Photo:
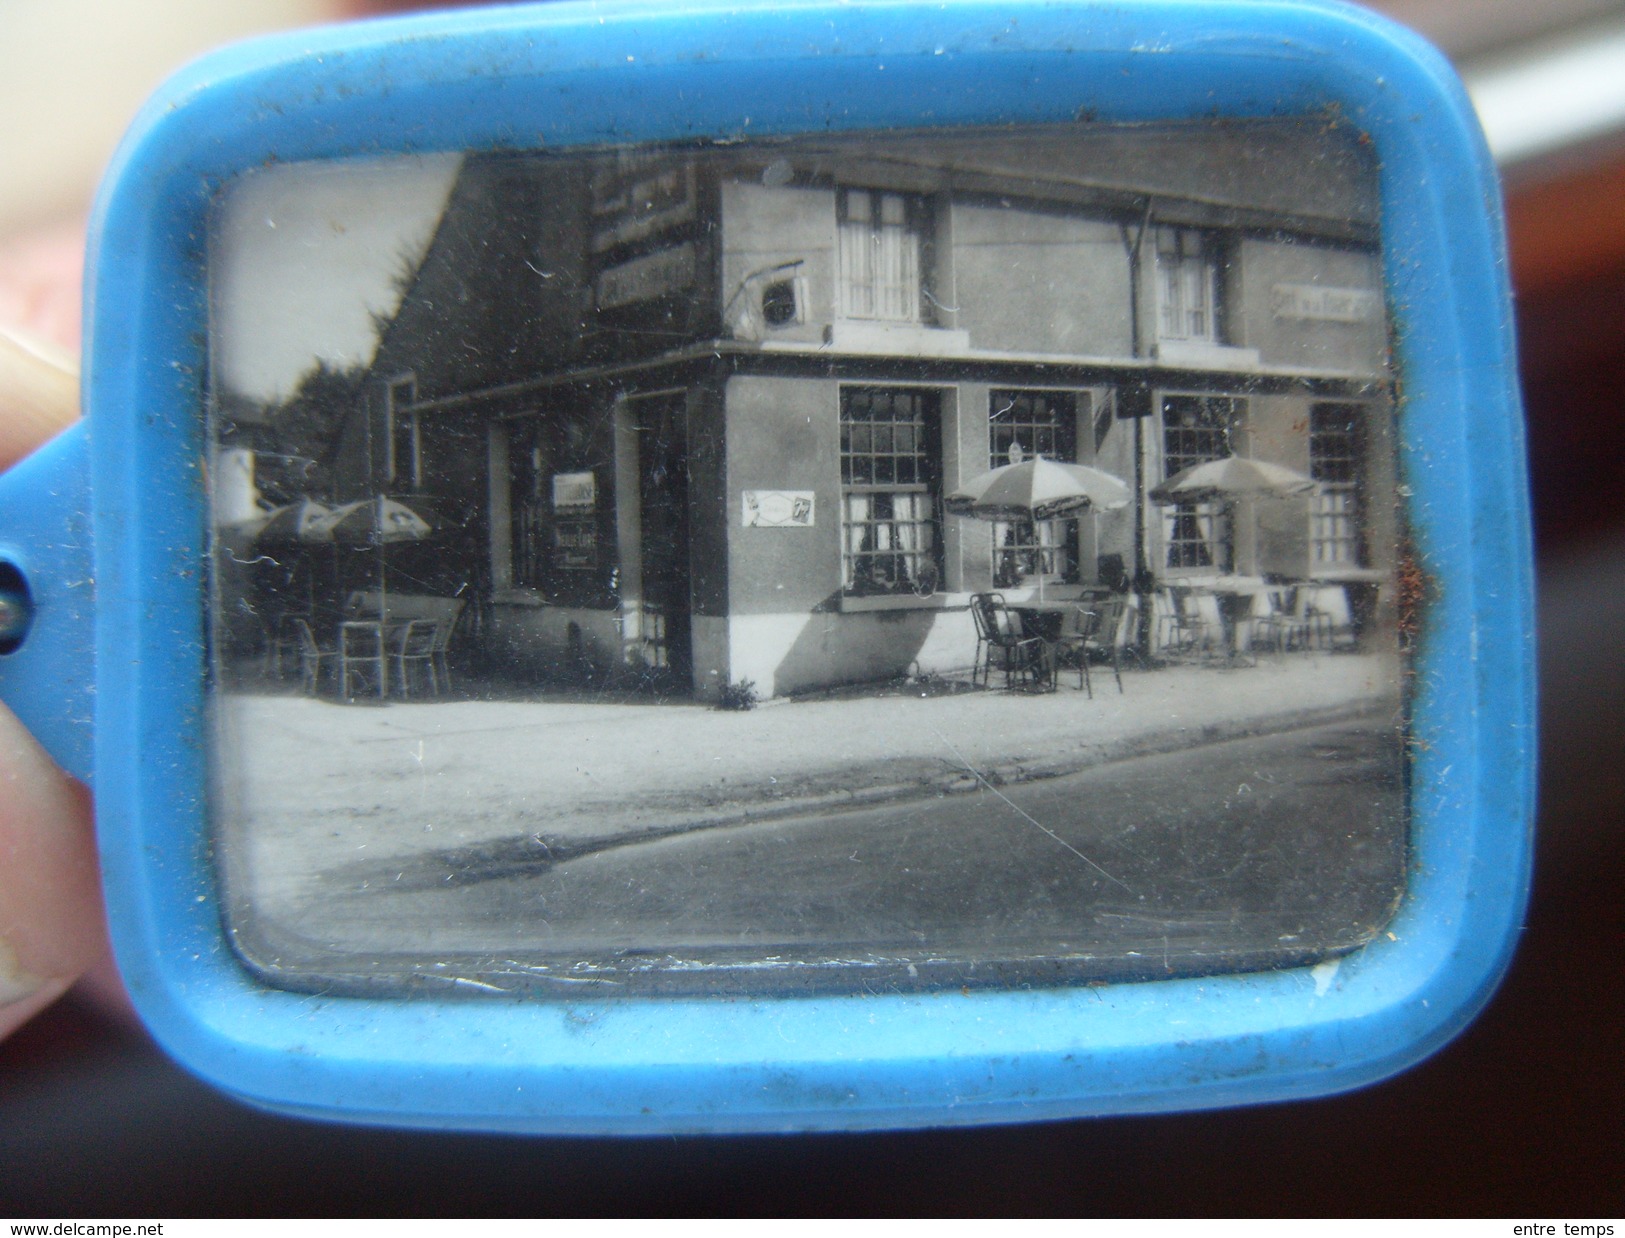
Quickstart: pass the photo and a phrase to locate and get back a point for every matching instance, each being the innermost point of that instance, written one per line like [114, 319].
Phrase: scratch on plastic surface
[1024, 814]
[1324, 974]
[423, 776]
[471, 983]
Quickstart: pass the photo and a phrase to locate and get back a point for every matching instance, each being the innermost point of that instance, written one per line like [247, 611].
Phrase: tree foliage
[306, 428]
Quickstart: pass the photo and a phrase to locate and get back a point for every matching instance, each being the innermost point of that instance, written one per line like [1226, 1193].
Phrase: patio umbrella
[298, 524]
[303, 520]
[1232, 478]
[378, 522]
[1037, 489]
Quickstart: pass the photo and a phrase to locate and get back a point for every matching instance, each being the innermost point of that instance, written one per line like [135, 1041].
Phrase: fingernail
[16, 981]
[41, 349]
[50, 922]
[39, 393]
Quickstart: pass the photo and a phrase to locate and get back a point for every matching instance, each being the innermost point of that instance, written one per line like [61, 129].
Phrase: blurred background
[1518, 1117]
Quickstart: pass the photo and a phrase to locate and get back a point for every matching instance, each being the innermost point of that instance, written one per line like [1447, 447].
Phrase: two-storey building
[697, 409]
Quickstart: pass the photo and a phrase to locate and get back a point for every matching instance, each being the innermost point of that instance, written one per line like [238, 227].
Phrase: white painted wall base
[713, 668]
[789, 653]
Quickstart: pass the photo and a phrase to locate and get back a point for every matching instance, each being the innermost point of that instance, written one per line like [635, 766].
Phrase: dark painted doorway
[662, 429]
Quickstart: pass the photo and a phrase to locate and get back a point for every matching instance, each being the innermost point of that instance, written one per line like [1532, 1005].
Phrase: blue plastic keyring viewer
[722, 568]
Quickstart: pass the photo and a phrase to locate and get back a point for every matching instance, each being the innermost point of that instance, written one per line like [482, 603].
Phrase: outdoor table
[1045, 619]
[1361, 586]
[384, 632]
[1234, 595]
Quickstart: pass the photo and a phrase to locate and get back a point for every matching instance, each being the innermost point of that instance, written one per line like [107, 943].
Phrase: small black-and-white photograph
[896, 560]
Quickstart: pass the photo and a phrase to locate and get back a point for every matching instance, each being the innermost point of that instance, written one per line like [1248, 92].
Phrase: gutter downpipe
[1142, 575]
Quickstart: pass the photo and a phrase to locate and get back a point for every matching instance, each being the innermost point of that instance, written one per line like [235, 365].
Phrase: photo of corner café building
[694, 413]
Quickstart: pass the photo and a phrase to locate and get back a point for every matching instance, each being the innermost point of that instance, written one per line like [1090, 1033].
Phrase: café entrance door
[661, 423]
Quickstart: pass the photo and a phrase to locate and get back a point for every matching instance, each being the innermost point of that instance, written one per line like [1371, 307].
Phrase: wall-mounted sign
[575, 527]
[1317, 303]
[575, 492]
[575, 544]
[653, 275]
[640, 197]
[778, 509]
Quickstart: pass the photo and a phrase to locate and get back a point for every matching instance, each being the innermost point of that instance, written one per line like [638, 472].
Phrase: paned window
[1337, 462]
[1196, 429]
[1021, 425]
[890, 490]
[880, 255]
[1187, 285]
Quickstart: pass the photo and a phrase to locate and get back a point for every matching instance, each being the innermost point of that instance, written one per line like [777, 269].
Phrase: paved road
[1241, 854]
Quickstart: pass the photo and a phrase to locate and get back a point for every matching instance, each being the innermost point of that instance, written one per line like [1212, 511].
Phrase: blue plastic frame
[571, 74]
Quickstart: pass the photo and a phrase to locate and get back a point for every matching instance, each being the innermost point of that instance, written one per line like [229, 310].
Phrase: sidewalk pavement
[309, 785]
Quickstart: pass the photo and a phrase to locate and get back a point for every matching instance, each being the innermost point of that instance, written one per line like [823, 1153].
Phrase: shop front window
[562, 511]
[1196, 429]
[1337, 462]
[891, 491]
[1021, 425]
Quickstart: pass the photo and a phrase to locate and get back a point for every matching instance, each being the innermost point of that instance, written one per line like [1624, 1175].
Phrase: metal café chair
[312, 656]
[1329, 612]
[1277, 627]
[1190, 622]
[444, 630]
[1300, 622]
[1099, 629]
[981, 605]
[999, 630]
[1078, 632]
[414, 656]
[282, 642]
[363, 657]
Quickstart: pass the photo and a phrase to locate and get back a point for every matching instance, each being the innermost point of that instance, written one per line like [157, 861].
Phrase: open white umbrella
[1232, 478]
[378, 522]
[303, 520]
[281, 535]
[1037, 489]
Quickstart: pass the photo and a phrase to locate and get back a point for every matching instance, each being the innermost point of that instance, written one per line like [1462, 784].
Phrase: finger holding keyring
[50, 908]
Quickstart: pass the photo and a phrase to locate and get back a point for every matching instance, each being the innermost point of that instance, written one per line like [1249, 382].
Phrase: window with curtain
[1021, 425]
[1187, 285]
[890, 491]
[1196, 429]
[1337, 462]
[880, 255]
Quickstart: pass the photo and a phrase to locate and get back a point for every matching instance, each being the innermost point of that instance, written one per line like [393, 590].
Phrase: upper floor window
[1337, 462]
[891, 489]
[405, 463]
[1187, 285]
[1021, 425]
[881, 243]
